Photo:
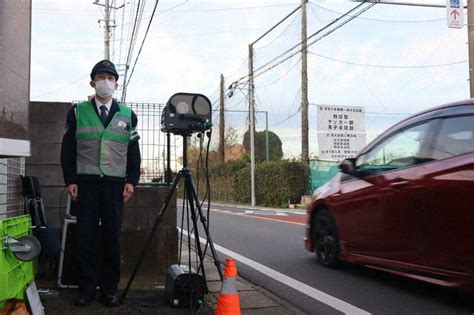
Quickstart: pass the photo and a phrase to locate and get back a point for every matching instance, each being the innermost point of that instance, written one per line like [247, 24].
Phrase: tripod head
[186, 137]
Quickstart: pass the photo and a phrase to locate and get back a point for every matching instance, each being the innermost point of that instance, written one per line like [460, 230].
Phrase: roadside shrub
[277, 183]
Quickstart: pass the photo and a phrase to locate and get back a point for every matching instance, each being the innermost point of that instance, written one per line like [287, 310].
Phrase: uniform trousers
[99, 201]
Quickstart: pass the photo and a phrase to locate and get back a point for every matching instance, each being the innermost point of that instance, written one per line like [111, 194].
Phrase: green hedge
[277, 183]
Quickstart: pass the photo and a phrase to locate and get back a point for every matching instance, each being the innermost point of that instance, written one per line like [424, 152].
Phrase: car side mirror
[347, 166]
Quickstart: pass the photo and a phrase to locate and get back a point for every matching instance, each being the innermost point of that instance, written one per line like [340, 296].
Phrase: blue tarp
[322, 172]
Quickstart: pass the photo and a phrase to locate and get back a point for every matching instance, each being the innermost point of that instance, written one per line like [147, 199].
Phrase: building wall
[15, 41]
[47, 125]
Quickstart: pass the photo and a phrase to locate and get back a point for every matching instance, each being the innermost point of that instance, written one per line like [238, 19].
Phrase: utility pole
[470, 43]
[251, 127]
[267, 148]
[107, 31]
[304, 85]
[252, 106]
[222, 123]
[106, 21]
[107, 27]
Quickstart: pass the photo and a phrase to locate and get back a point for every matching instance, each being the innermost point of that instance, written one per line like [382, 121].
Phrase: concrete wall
[15, 40]
[47, 122]
[139, 217]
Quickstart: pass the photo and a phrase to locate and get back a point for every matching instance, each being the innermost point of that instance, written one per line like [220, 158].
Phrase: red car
[405, 204]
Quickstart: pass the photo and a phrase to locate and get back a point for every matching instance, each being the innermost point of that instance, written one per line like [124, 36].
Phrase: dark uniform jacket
[68, 152]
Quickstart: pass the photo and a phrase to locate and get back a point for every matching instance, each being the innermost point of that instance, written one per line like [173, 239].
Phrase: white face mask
[104, 88]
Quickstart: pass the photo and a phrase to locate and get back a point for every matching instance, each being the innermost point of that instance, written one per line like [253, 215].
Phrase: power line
[124, 92]
[237, 8]
[351, 17]
[291, 115]
[279, 35]
[410, 4]
[62, 87]
[168, 36]
[389, 66]
[381, 20]
[328, 26]
[121, 35]
[287, 118]
[143, 41]
[172, 8]
[187, 10]
[130, 49]
[284, 75]
[369, 89]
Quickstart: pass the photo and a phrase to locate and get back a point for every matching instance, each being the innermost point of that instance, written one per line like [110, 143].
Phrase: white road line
[216, 206]
[265, 213]
[320, 296]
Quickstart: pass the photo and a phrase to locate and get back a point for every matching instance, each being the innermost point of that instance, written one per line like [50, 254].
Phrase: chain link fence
[154, 143]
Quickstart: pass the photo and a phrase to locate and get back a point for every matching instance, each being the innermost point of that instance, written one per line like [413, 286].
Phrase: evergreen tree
[274, 143]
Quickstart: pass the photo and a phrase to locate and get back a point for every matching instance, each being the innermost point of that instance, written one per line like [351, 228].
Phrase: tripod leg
[152, 233]
[191, 201]
[193, 195]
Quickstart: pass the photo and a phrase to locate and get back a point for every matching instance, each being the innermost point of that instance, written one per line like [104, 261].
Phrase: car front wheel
[325, 239]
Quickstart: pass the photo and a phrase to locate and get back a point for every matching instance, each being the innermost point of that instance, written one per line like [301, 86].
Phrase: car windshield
[400, 150]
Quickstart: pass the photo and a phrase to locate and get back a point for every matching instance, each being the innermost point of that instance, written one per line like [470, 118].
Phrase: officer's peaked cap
[104, 66]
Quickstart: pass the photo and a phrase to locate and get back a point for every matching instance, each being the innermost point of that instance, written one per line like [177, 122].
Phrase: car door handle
[399, 184]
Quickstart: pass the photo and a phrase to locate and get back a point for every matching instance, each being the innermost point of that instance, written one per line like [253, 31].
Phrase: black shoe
[110, 300]
[83, 301]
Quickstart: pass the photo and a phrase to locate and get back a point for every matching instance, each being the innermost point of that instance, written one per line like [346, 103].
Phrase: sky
[392, 60]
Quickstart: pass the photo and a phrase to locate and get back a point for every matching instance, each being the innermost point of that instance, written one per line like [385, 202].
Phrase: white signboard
[455, 13]
[341, 131]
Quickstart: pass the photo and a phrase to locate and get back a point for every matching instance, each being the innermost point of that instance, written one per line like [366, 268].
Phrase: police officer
[100, 158]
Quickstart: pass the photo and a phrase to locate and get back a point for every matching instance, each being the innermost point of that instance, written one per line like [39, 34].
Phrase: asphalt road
[268, 246]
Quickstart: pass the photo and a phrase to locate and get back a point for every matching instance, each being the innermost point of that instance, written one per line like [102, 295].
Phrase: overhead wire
[238, 8]
[143, 41]
[276, 61]
[357, 10]
[389, 66]
[62, 87]
[334, 22]
[124, 94]
[363, 82]
[130, 49]
[279, 35]
[283, 76]
[121, 35]
[293, 114]
[72, 11]
[287, 118]
[380, 20]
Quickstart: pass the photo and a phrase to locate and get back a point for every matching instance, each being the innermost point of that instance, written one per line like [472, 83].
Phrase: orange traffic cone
[228, 302]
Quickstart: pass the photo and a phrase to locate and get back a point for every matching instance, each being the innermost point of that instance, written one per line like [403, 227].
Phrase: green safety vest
[102, 151]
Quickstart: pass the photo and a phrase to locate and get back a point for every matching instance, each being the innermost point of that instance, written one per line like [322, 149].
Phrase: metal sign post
[455, 13]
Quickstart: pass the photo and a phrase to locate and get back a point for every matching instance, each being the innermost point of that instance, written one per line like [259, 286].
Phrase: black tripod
[196, 211]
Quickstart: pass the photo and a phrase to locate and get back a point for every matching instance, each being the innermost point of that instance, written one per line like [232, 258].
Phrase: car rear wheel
[325, 239]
